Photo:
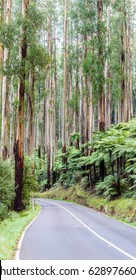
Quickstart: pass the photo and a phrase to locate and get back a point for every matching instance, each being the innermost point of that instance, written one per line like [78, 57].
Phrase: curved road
[66, 231]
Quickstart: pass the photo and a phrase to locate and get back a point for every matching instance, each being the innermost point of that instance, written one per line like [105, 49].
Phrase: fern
[115, 148]
[74, 137]
[107, 188]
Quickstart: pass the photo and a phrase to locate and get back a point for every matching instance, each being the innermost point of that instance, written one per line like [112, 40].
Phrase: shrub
[7, 190]
[29, 182]
[40, 172]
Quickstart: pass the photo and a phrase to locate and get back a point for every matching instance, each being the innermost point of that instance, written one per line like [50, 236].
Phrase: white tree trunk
[5, 92]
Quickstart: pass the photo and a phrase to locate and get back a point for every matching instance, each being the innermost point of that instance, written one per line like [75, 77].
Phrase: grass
[11, 230]
[121, 208]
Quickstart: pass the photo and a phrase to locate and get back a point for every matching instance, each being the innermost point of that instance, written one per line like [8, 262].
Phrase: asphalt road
[66, 231]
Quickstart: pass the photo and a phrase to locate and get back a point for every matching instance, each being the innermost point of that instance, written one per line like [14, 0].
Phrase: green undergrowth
[121, 208]
[11, 230]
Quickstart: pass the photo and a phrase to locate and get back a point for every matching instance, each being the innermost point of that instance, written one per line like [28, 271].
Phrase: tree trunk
[91, 115]
[118, 176]
[108, 86]
[101, 67]
[48, 110]
[70, 110]
[38, 120]
[64, 101]
[129, 63]
[1, 58]
[123, 64]
[19, 139]
[77, 95]
[30, 128]
[82, 113]
[55, 94]
[5, 93]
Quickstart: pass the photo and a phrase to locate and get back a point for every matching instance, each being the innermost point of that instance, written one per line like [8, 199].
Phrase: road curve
[67, 231]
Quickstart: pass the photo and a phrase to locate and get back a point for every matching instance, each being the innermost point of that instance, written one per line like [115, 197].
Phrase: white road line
[96, 234]
[108, 216]
[17, 256]
[99, 213]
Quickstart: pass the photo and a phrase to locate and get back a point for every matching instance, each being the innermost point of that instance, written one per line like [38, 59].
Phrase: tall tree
[5, 91]
[64, 103]
[107, 88]
[19, 137]
[101, 66]
[1, 52]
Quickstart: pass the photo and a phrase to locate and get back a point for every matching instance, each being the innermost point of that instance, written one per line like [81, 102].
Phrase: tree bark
[82, 112]
[64, 101]
[55, 93]
[70, 109]
[101, 67]
[108, 85]
[129, 63]
[5, 93]
[124, 63]
[91, 115]
[77, 94]
[31, 125]
[19, 139]
[48, 110]
[1, 57]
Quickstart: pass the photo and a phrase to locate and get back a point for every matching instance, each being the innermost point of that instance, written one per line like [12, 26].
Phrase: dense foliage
[110, 168]
[7, 191]
[34, 179]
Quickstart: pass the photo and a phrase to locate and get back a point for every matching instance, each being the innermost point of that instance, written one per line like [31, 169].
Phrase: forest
[67, 98]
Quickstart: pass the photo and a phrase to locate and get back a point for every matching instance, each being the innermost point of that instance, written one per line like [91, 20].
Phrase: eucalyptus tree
[1, 22]
[37, 61]
[101, 107]
[64, 104]
[19, 137]
[120, 64]
[1, 55]
[33, 61]
[5, 87]
[82, 15]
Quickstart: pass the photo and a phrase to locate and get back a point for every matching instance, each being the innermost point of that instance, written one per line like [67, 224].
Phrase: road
[67, 231]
